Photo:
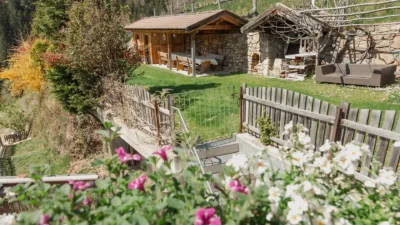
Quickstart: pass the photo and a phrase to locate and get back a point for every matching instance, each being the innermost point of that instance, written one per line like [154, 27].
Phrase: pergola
[167, 33]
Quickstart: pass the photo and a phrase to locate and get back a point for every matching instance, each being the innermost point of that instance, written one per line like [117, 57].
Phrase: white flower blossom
[384, 223]
[298, 204]
[261, 167]
[274, 194]
[386, 177]
[326, 147]
[322, 221]
[7, 219]
[298, 158]
[288, 128]
[381, 190]
[342, 161]
[326, 167]
[350, 170]
[370, 183]
[353, 152]
[342, 221]
[307, 186]
[291, 190]
[316, 190]
[238, 162]
[269, 216]
[293, 217]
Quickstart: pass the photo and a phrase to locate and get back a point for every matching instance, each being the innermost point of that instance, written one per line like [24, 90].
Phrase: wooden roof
[188, 22]
[280, 10]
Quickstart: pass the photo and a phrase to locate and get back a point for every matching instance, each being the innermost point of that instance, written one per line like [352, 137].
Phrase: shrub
[307, 188]
[11, 116]
[267, 130]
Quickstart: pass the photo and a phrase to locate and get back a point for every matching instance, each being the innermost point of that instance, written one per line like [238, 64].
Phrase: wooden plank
[218, 151]
[272, 99]
[314, 121]
[322, 126]
[376, 131]
[394, 158]
[214, 168]
[350, 131]
[289, 115]
[264, 108]
[259, 106]
[268, 109]
[388, 124]
[254, 108]
[283, 113]
[362, 119]
[247, 103]
[309, 105]
[193, 50]
[296, 102]
[301, 112]
[278, 110]
[374, 121]
[345, 115]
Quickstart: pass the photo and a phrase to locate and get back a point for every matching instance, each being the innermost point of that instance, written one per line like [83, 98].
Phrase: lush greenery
[12, 116]
[15, 17]
[359, 97]
[50, 16]
[267, 130]
[307, 189]
[34, 153]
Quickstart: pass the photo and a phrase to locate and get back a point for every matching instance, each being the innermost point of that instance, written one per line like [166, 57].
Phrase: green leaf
[65, 189]
[140, 220]
[103, 184]
[97, 163]
[116, 201]
[176, 203]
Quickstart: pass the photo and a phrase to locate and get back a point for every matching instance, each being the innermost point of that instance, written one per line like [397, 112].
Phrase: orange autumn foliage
[23, 72]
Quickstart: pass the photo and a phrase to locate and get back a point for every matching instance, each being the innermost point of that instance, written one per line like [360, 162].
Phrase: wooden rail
[378, 129]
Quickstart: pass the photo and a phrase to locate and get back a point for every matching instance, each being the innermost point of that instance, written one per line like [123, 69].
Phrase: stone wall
[381, 51]
[265, 54]
[232, 46]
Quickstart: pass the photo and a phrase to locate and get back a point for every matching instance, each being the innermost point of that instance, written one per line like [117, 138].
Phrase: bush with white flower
[313, 188]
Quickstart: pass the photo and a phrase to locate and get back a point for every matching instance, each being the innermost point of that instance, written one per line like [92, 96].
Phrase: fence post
[394, 157]
[241, 105]
[344, 115]
[157, 118]
[335, 135]
[171, 119]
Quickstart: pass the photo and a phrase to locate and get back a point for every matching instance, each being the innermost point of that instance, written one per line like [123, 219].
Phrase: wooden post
[169, 41]
[241, 107]
[336, 125]
[345, 113]
[157, 119]
[151, 49]
[192, 6]
[219, 4]
[193, 44]
[394, 158]
[171, 119]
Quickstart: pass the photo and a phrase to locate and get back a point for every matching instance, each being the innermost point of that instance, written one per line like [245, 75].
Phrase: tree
[96, 52]
[49, 18]
[23, 72]
[15, 24]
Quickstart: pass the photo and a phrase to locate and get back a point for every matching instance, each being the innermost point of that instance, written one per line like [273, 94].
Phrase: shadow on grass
[174, 89]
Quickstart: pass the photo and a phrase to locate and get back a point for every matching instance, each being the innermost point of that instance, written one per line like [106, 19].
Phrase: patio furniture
[356, 74]
[163, 56]
[182, 62]
[220, 60]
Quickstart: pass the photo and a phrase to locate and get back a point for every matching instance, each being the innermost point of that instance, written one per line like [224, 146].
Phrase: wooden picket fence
[155, 114]
[12, 138]
[324, 121]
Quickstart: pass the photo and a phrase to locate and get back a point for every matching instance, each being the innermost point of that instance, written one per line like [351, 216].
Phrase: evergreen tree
[49, 18]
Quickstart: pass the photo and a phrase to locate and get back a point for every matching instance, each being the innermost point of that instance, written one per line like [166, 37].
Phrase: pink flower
[163, 152]
[44, 220]
[138, 183]
[70, 196]
[87, 201]
[125, 157]
[206, 217]
[236, 186]
[79, 185]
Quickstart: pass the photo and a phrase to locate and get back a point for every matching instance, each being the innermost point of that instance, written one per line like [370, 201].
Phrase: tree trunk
[219, 4]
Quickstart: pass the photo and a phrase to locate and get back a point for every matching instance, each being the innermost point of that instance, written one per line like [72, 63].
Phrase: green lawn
[33, 153]
[213, 114]
[157, 79]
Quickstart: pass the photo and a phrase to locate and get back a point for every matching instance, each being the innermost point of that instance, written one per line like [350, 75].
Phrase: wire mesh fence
[212, 114]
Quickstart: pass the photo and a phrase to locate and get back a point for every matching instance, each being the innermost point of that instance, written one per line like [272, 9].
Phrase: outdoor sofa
[356, 74]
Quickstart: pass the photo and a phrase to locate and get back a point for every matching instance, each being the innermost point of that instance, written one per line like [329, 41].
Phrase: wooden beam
[193, 48]
[169, 45]
[151, 48]
[309, 114]
[219, 27]
[160, 31]
[371, 130]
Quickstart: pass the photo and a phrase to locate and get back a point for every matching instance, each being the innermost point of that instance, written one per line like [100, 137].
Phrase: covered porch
[195, 43]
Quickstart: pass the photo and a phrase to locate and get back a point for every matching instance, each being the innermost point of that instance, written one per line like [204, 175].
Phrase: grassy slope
[157, 79]
[240, 7]
[33, 153]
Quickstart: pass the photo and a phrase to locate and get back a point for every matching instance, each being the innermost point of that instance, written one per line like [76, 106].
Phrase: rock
[396, 42]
